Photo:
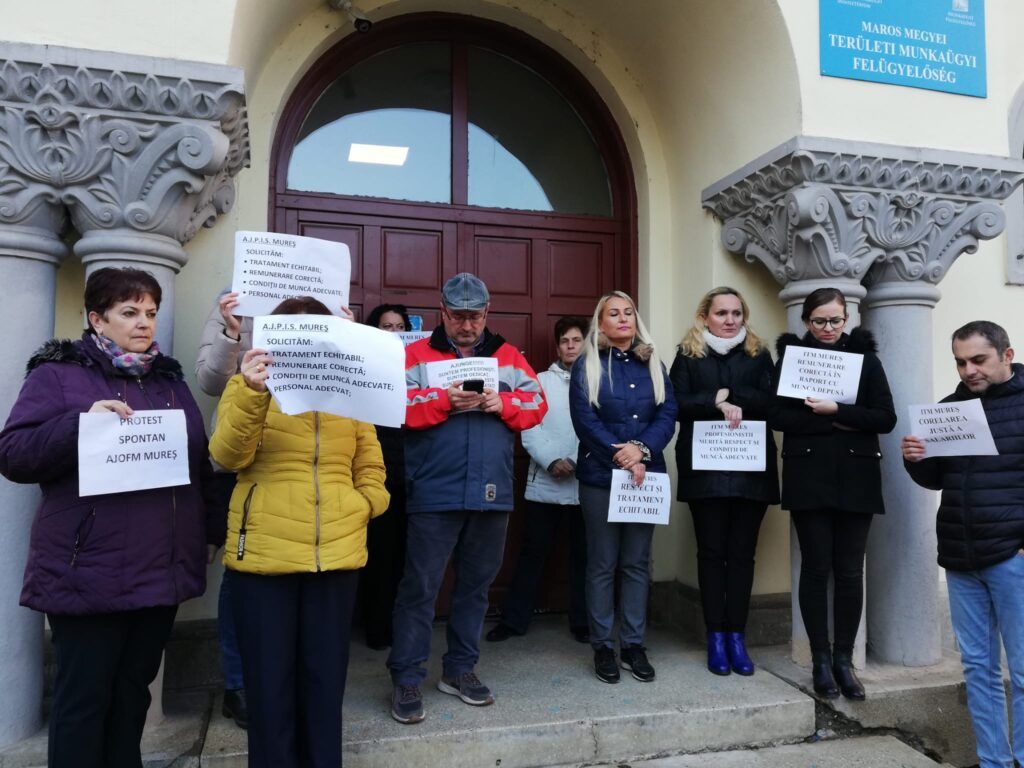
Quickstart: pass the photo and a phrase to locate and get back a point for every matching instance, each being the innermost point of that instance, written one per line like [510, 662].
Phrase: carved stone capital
[124, 143]
[818, 209]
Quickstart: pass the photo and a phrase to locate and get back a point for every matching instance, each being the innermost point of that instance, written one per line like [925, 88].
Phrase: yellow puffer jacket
[307, 485]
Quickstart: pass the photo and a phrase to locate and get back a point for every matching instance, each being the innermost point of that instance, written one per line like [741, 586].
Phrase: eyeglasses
[462, 317]
[821, 322]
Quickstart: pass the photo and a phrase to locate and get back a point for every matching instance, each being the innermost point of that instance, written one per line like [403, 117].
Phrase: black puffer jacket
[696, 381]
[981, 514]
[834, 462]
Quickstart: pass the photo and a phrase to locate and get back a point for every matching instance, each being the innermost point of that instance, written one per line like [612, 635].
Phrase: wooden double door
[537, 268]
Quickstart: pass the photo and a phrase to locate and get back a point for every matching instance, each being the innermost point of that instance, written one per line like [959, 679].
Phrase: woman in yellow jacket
[307, 488]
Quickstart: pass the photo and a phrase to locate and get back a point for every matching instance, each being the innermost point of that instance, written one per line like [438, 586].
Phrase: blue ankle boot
[718, 659]
[737, 650]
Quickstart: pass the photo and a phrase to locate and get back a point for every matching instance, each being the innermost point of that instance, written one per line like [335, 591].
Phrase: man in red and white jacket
[458, 456]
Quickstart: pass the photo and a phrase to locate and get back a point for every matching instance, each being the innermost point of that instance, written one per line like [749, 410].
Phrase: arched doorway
[437, 144]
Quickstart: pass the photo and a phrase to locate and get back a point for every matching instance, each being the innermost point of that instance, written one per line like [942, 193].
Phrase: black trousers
[105, 663]
[833, 543]
[380, 577]
[727, 531]
[543, 523]
[293, 632]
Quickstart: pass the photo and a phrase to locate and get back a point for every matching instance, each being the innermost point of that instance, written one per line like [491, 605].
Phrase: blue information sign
[933, 44]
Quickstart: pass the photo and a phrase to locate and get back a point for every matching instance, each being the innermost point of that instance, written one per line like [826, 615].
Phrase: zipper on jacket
[145, 394]
[316, 486]
[245, 519]
[966, 507]
[78, 535]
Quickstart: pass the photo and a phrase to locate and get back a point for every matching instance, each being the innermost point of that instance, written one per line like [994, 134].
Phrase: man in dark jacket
[981, 534]
[458, 458]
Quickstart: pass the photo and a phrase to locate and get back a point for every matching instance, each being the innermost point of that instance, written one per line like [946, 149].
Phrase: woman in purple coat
[108, 570]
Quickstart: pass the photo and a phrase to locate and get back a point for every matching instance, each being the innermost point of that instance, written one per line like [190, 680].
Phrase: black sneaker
[235, 707]
[605, 667]
[467, 687]
[407, 704]
[634, 658]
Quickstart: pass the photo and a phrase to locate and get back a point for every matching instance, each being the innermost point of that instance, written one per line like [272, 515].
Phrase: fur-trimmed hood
[641, 351]
[858, 340]
[78, 353]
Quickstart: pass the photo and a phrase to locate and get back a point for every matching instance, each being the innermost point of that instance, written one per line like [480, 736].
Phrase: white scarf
[724, 346]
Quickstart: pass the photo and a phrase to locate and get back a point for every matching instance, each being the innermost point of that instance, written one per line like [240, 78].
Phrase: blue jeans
[231, 660]
[615, 547]
[985, 605]
[475, 543]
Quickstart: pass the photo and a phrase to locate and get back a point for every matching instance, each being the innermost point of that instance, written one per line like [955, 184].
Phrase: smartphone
[473, 385]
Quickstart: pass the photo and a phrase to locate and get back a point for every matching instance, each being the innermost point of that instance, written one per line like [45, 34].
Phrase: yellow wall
[698, 89]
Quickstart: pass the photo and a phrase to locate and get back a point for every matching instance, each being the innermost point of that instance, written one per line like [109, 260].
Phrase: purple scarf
[130, 363]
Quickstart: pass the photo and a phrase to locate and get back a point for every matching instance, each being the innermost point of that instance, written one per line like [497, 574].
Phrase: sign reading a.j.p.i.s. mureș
[934, 44]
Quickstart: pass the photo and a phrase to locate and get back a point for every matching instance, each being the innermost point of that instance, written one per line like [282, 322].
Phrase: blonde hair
[596, 341]
[693, 344]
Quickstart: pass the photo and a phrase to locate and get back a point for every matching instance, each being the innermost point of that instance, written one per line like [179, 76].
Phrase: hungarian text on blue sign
[933, 44]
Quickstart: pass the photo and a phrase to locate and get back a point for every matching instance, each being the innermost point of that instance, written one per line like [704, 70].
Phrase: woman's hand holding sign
[822, 407]
[112, 406]
[254, 369]
[232, 325]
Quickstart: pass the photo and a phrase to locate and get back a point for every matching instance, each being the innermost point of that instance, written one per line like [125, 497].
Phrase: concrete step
[177, 742]
[550, 709]
[928, 704]
[863, 752]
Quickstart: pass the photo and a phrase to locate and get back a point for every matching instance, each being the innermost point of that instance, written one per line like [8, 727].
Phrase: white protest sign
[822, 373]
[270, 268]
[717, 447]
[443, 373]
[953, 429]
[408, 337]
[149, 449]
[647, 503]
[325, 363]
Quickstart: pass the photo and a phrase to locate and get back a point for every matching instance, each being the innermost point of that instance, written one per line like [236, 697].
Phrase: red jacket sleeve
[425, 406]
[524, 405]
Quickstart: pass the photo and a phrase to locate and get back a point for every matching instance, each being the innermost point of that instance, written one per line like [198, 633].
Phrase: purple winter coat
[112, 552]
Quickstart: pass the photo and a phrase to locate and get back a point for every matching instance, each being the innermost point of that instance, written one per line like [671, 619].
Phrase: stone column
[30, 252]
[820, 212]
[139, 152]
[924, 234]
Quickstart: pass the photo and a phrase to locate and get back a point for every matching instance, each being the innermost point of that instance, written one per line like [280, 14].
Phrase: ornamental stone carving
[127, 144]
[813, 209]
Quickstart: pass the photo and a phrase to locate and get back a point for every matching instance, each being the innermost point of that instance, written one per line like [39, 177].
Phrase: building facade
[694, 144]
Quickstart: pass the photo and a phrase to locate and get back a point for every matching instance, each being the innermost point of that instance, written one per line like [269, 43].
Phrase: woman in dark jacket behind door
[722, 371]
[832, 485]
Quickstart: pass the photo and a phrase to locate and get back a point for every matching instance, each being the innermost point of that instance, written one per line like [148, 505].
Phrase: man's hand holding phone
[463, 399]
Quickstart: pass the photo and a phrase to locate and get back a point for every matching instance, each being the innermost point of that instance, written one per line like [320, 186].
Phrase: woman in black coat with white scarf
[723, 372]
[832, 485]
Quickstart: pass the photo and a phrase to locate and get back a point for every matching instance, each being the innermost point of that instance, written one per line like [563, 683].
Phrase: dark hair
[819, 298]
[301, 305]
[110, 285]
[566, 322]
[382, 309]
[994, 334]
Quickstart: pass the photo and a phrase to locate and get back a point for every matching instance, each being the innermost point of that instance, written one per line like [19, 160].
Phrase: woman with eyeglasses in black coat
[832, 486]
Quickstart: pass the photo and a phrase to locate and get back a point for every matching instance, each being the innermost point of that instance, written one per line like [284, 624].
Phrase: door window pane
[528, 148]
[382, 129]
